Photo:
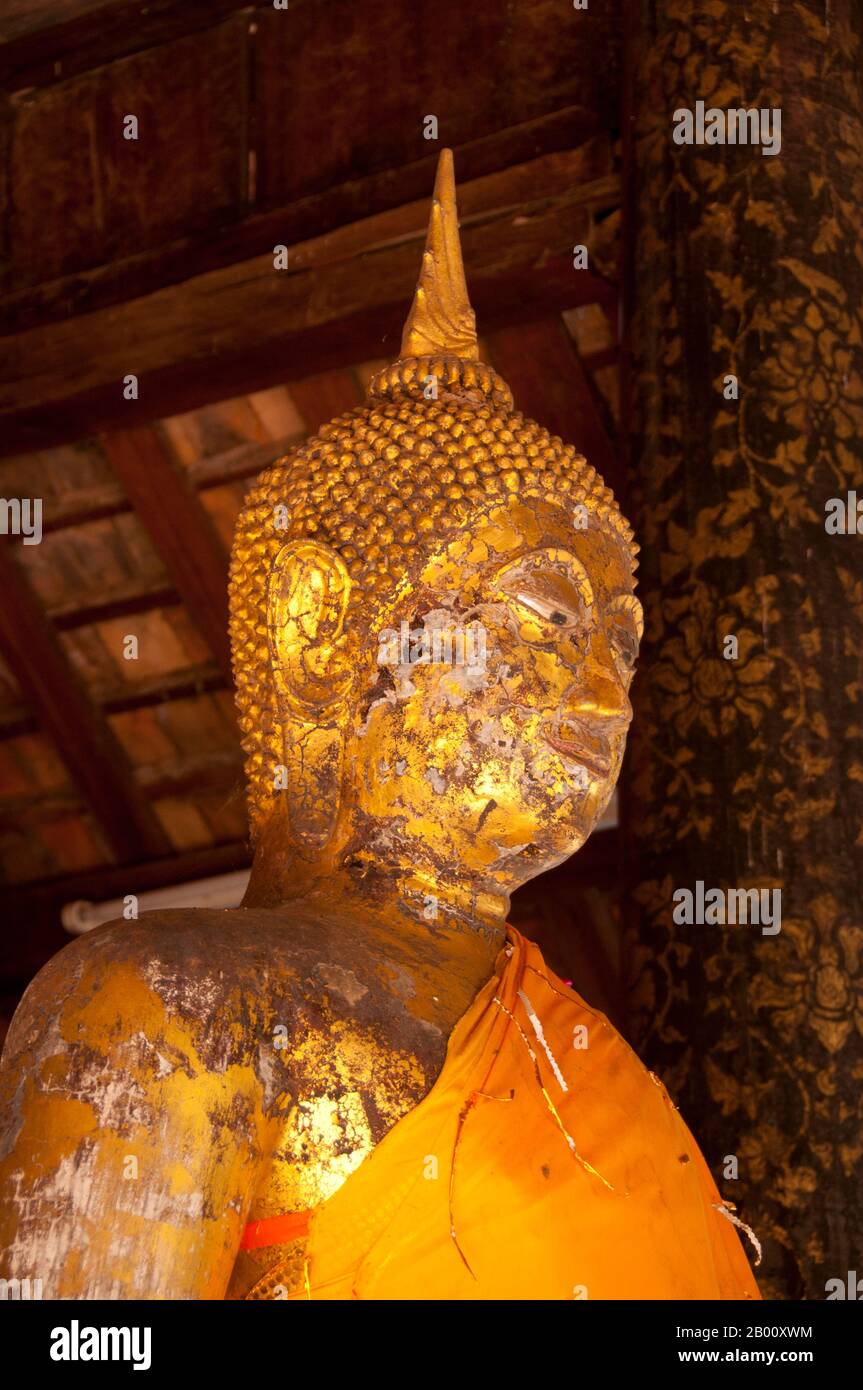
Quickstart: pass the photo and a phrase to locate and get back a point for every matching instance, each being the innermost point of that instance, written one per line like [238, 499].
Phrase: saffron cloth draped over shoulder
[535, 1168]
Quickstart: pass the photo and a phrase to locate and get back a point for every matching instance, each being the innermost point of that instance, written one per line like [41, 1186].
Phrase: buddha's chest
[341, 1089]
[346, 1091]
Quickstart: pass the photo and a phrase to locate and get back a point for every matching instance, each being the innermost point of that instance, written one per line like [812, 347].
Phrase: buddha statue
[362, 1083]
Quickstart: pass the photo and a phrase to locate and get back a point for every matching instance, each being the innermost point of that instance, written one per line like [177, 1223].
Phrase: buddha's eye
[552, 611]
[548, 599]
[625, 644]
[624, 631]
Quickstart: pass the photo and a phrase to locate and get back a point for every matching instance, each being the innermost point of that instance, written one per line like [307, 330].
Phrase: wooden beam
[195, 774]
[243, 461]
[184, 776]
[319, 398]
[22, 18]
[133, 600]
[343, 300]
[117, 697]
[41, 40]
[94, 757]
[157, 690]
[143, 270]
[180, 528]
[541, 364]
[325, 141]
[78, 194]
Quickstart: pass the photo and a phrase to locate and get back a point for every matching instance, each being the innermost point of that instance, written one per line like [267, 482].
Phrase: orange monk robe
[533, 1169]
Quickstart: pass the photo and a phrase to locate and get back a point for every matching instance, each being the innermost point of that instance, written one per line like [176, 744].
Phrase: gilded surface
[749, 771]
[168, 1081]
[441, 319]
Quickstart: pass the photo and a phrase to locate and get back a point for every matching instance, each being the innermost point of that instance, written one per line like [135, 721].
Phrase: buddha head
[433, 621]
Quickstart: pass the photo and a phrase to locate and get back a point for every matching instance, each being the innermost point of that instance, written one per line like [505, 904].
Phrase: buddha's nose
[598, 696]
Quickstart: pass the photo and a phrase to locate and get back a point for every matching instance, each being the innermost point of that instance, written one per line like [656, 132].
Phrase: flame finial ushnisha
[441, 319]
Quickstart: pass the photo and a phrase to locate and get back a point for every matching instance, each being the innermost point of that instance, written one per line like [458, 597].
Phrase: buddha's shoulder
[229, 972]
[198, 952]
[197, 985]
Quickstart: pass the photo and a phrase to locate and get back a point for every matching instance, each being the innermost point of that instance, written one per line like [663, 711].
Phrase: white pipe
[224, 890]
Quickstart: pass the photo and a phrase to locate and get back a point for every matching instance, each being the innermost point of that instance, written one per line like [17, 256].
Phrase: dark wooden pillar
[746, 769]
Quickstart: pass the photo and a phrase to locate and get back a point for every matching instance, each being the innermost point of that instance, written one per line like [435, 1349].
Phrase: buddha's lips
[595, 763]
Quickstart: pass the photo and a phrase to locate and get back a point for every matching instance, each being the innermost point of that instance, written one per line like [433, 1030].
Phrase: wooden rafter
[138, 230]
[38, 36]
[96, 761]
[180, 529]
[118, 697]
[567, 131]
[242, 461]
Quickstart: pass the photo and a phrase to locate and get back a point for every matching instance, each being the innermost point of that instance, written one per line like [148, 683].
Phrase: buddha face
[494, 727]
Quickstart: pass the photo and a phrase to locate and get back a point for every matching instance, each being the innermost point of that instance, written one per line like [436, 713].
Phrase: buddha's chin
[581, 812]
[559, 829]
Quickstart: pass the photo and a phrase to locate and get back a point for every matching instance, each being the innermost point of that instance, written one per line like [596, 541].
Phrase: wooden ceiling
[154, 257]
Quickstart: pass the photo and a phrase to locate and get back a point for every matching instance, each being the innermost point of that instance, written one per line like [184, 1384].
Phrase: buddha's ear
[307, 600]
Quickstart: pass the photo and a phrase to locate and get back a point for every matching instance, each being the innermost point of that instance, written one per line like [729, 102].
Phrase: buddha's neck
[449, 927]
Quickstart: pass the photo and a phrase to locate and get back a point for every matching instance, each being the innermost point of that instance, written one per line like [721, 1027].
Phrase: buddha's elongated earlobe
[308, 595]
[307, 602]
